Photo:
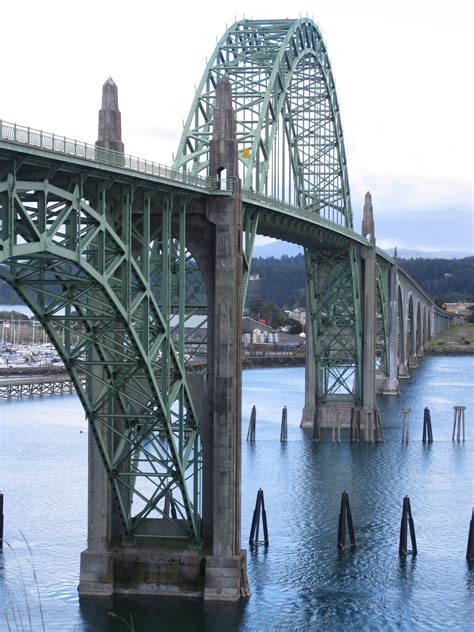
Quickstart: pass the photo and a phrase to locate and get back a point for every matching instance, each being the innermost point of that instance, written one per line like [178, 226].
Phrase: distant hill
[282, 280]
[279, 248]
[405, 253]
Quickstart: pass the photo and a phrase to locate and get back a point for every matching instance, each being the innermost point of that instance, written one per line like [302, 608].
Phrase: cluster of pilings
[407, 526]
[252, 429]
[458, 425]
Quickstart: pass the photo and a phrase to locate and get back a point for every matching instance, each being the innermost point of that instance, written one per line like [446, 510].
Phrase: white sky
[403, 73]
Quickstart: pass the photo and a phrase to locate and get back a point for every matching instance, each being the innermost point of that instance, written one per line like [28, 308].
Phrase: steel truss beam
[289, 129]
[382, 333]
[335, 311]
[82, 266]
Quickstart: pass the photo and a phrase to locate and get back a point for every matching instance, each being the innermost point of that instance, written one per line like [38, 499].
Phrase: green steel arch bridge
[123, 261]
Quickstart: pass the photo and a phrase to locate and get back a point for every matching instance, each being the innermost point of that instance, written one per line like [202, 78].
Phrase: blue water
[301, 581]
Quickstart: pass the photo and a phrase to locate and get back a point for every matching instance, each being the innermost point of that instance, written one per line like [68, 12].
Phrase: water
[301, 582]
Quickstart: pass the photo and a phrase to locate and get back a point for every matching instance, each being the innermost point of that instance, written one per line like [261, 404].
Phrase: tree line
[279, 284]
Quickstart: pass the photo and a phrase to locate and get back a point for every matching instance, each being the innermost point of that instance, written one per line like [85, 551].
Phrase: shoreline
[262, 362]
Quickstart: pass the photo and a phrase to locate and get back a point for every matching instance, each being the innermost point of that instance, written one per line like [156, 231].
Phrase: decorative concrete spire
[223, 146]
[368, 218]
[110, 123]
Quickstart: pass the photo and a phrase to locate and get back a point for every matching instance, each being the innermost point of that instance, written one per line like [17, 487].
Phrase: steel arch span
[289, 131]
[78, 265]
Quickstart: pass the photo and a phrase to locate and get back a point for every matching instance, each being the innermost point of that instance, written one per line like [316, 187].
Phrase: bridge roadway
[116, 255]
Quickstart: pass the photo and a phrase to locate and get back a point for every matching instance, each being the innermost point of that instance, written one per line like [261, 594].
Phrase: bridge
[119, 257]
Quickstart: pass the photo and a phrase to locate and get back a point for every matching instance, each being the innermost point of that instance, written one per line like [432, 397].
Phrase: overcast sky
[403, 75]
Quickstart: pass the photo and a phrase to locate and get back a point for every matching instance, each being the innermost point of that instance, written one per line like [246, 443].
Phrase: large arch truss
[82, 263]
[289, 130]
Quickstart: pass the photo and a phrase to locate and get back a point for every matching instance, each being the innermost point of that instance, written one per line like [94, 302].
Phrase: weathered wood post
[470, 540]
[427, 429]
[406, 424]
[458, 421]
[284, 425]
[252, 425]
[259, 510]
[1, 519]
[345, 515]
[407, 519]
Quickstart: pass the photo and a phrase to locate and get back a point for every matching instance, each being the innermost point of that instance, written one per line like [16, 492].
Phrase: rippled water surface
[301, 581]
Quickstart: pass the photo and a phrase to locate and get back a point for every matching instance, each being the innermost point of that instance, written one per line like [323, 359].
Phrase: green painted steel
[383, 316]
[334, 306]
[81, 260]
[289, 130]
[95, 242]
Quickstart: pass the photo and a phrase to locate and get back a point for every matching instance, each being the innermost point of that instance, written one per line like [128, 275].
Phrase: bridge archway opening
[402, 338]
[411, 329]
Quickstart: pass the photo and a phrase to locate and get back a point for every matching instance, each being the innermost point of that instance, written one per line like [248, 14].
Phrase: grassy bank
[457, 340]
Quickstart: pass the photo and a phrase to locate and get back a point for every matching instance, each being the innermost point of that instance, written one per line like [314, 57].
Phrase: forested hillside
[450, 280]
[282, 281]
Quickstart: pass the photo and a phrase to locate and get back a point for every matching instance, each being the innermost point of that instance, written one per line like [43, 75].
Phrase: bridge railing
[14, 133]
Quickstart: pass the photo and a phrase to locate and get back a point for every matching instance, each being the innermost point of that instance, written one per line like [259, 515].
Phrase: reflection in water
[301, 581]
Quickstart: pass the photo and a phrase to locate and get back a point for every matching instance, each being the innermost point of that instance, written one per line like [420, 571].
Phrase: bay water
[301, 581]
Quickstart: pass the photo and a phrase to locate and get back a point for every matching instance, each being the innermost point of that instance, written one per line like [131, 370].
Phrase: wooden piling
[459, 422]
[407, 523]
[406, 424]
[252, 425]
[427, 428]
[470, 540]
[259, 511]
[1, 519]
[316, 428]
[345, 516]
[284, 425]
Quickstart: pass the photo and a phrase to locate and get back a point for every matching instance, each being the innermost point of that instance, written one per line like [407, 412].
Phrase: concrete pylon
[368, 418]
[226, 568]
[391, 385]
[110, 122]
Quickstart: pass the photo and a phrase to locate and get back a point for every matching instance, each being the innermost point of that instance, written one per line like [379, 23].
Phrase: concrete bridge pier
[390, 385]
[216, 567]
[369, 424]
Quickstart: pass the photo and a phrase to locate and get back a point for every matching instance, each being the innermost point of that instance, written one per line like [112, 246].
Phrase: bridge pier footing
[403, 372]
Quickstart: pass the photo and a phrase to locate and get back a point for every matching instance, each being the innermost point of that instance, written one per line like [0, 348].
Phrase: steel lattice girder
[73, 265]
[334, 309]
[382, 315]
[289, 129]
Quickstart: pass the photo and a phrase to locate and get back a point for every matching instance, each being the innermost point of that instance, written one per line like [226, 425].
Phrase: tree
[294, 326]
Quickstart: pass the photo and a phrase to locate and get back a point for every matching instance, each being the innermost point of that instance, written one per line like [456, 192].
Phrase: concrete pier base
[96, 575]
[413, 362]
[390, 386]
[146, 569]
[334, 421]
[307, 417]
[403, 372]
[226, 578]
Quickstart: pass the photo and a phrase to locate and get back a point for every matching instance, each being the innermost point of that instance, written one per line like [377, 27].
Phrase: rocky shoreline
[446, 351]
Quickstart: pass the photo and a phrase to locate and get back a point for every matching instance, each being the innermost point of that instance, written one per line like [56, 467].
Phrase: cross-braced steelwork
[83, 266]
[288, 122]
[127, 264]
[291, 147]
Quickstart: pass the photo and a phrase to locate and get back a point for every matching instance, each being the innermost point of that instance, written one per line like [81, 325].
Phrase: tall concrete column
[368, 412]
[226, 577]
[110, 119]
[96, 568]
[307, 417]
[391, 386]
